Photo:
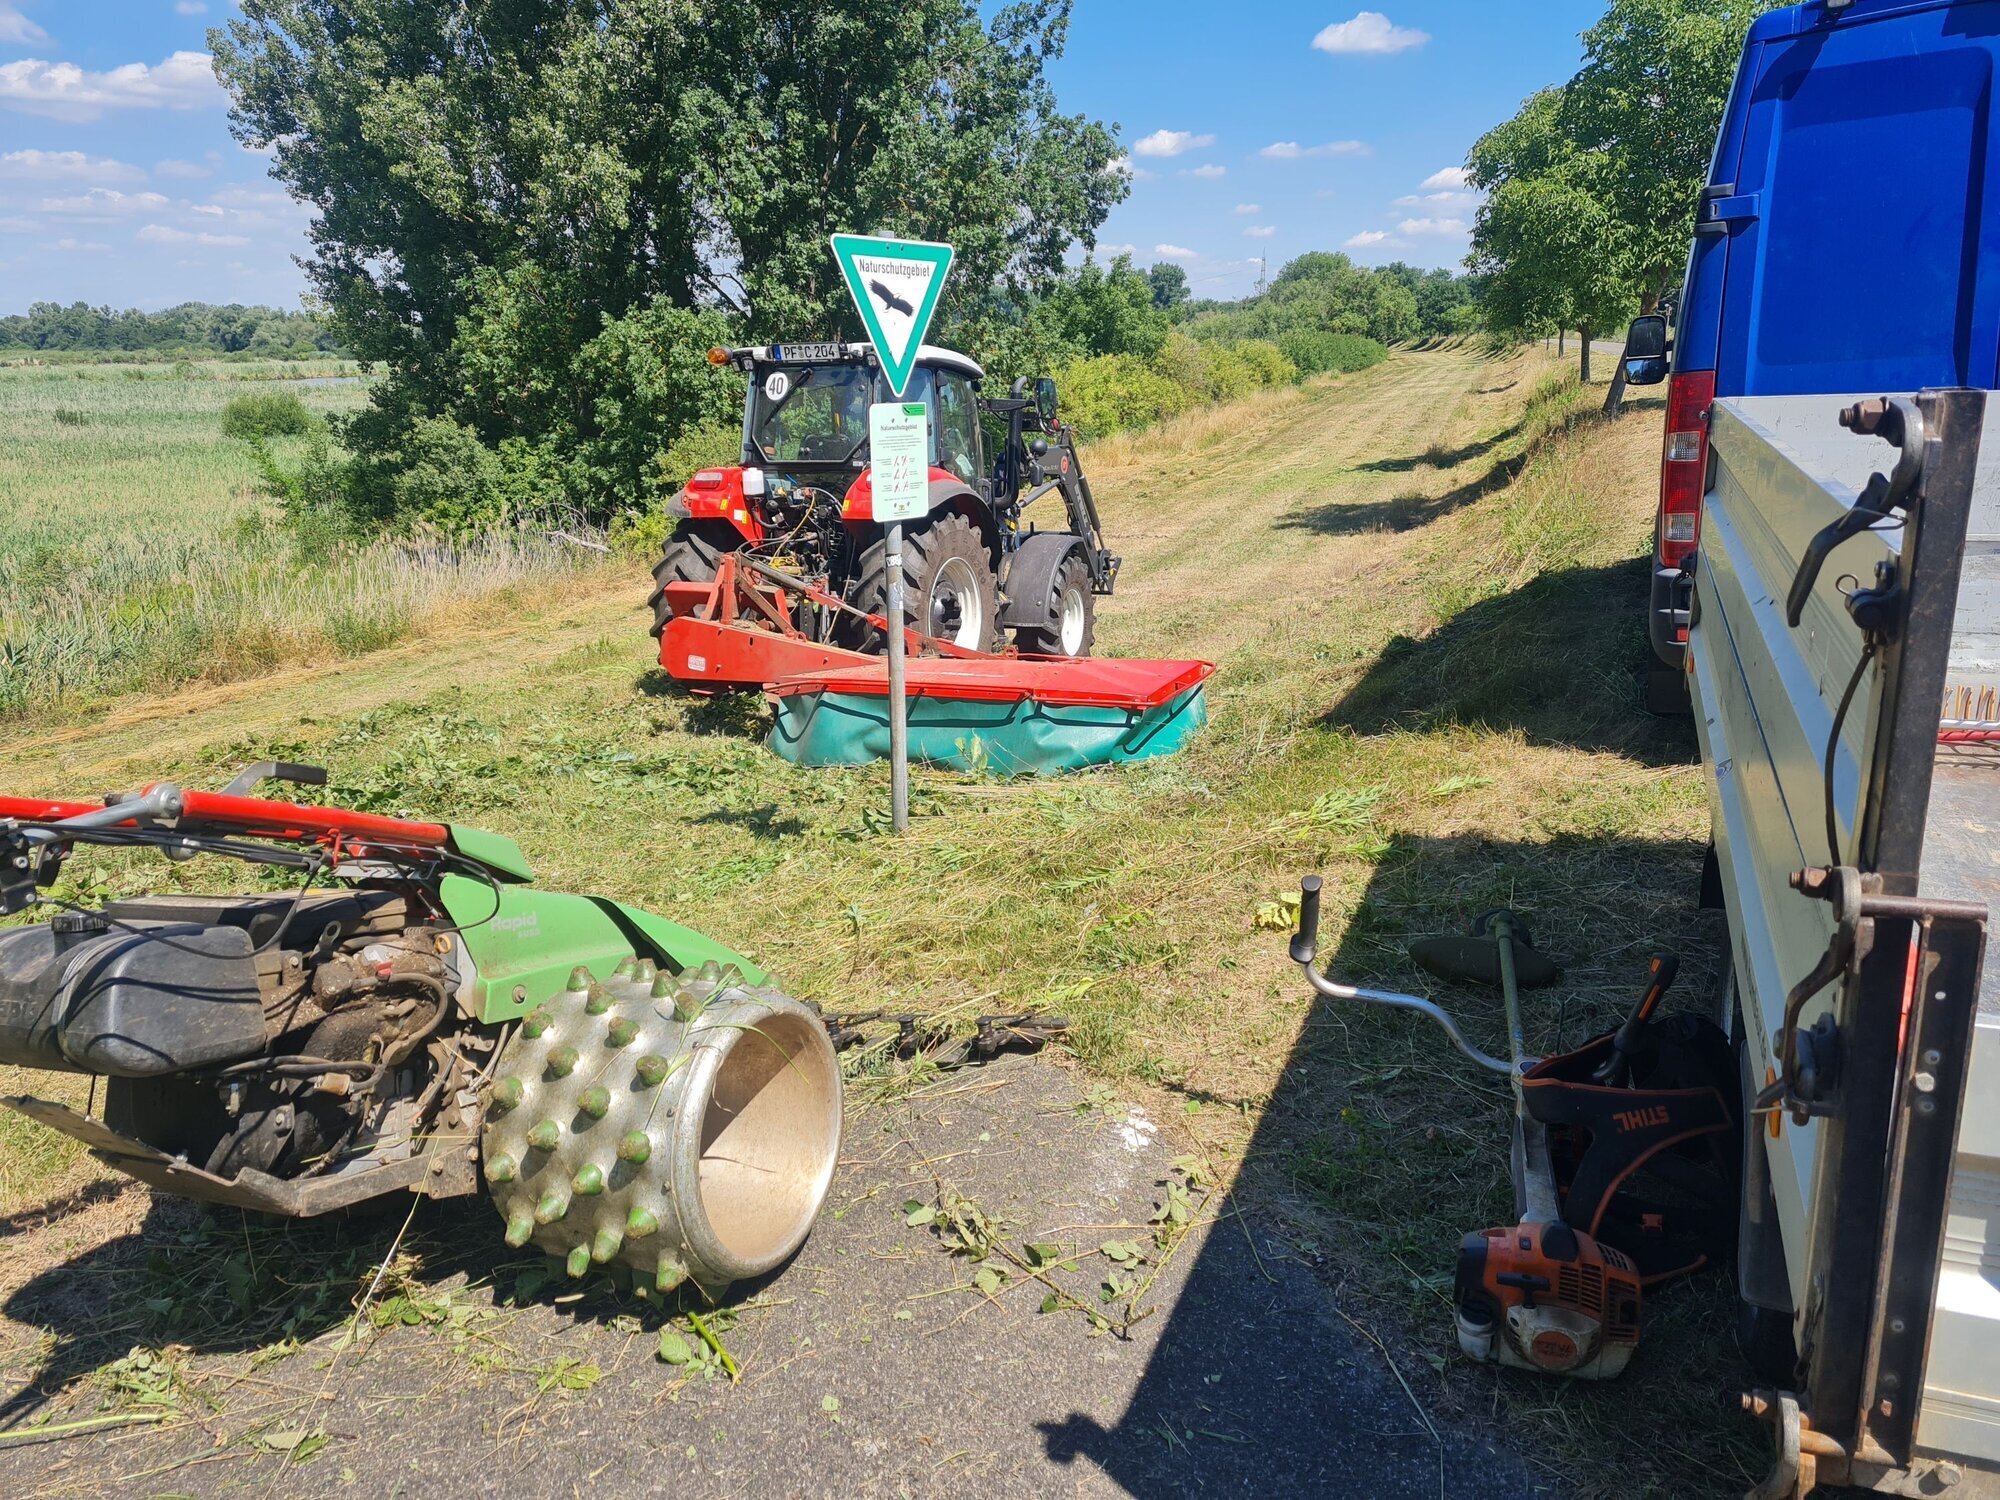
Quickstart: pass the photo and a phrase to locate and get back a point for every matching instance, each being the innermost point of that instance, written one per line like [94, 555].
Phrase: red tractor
[977, 575]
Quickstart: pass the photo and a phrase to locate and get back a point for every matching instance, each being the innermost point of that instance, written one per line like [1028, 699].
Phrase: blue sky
[1262, 130]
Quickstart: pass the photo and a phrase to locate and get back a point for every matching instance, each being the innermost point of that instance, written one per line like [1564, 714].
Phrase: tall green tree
[1553, 253]
[1592, 188]
[1647, 104]
[1170, 286]
[497, 184]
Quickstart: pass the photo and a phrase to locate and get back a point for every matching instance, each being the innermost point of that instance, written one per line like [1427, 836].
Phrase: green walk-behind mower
[411, 1015]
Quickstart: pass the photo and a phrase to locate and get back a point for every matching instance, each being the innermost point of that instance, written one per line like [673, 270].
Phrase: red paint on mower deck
[711, 654]
[1104, 682]
[737, 632]
[259, 817]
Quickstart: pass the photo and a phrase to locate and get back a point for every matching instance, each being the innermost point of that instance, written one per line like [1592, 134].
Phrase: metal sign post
[899, 448]
[899, 704]
[895, 285]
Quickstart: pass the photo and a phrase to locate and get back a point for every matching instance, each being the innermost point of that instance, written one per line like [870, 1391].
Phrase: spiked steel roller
[684, 1126]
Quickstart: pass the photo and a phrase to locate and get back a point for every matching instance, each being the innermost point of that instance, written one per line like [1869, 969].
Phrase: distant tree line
[1591, 189]
[535, 228]
[192, 328]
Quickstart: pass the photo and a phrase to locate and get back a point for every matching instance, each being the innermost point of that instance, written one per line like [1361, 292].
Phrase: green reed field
[137, 552]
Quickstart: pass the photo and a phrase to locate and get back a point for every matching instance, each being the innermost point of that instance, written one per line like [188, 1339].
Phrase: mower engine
[1545, 1297]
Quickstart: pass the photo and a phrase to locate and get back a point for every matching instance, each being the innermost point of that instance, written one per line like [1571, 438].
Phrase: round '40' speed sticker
[777, 385]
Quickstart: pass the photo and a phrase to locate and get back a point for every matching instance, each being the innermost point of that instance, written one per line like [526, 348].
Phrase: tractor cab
[806, 409]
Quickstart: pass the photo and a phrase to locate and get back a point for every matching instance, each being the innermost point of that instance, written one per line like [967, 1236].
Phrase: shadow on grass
[1379, 1148]
[1561, 659]
[1438, 458]
[766, 822]
[1405, 512]
[742, 715]
[219, 1281]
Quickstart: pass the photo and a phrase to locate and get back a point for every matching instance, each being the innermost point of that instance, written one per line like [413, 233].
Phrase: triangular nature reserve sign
[895, 286]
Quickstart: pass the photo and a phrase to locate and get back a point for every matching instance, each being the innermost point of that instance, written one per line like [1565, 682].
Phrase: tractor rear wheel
[690, 555]
[1069, 619]
[948, 588]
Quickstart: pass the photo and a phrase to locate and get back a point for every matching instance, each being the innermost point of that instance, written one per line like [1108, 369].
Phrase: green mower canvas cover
[1013, 715]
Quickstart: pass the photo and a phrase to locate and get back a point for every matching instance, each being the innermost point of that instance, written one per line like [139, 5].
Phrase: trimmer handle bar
[1305, 948]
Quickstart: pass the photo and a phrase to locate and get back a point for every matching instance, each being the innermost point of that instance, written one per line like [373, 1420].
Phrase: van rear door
[1861, 255]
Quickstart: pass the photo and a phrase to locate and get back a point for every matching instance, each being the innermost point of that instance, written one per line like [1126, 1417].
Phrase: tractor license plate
[806, 354]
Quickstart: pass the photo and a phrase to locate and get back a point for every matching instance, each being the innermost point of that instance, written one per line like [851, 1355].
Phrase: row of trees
[1325, 292]
[193, 328]
[534, 217]
[1591, 189]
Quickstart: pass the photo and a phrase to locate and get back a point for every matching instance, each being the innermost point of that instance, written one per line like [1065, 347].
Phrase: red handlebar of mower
[258, 817]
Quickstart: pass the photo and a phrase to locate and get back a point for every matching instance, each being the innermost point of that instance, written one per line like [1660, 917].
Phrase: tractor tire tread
[1046, 639]
[689, 555]
[925, 545]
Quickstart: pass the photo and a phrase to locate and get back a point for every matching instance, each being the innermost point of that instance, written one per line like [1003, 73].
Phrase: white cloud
[1365, 239]
[1174, 252]
[15, 224]
[1432, 226]
[1261, 231]
[1170, 143]
[172, 168]
[1370, 32]
[1435, 201]
[1248, 208]
[90, 245]
[65, 166]
[1210, 172]
[164, 234]
[1117, 250]
[17, 28]
[189, 8]
[104, 204]
[1292, 150]
[63, 91]
[1448, 177]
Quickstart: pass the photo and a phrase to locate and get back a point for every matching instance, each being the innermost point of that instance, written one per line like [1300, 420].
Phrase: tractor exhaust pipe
[684, 1126]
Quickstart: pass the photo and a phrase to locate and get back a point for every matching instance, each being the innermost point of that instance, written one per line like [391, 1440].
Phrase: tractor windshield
[811, 413]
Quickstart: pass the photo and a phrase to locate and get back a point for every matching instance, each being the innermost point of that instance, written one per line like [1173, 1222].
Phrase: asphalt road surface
[870, 1366]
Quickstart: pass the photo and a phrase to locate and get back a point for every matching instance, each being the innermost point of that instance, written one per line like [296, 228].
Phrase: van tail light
[1684, 463]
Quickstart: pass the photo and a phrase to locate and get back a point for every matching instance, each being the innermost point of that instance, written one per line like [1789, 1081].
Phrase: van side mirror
[1646, 350]
[1045, 400]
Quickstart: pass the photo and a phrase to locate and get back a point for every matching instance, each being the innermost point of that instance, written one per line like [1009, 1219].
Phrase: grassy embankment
[1422, 583]
[137, 554]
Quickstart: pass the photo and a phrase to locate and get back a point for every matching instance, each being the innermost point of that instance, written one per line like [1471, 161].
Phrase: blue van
[1842, 242]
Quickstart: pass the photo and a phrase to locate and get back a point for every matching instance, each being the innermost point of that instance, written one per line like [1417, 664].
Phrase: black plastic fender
[1031, 574]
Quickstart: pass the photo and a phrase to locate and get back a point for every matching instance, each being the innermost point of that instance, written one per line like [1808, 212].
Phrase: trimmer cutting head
[1478, 959]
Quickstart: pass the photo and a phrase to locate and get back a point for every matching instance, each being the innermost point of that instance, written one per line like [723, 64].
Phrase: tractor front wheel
[948, 588]
[691, 555]
[1069, 618]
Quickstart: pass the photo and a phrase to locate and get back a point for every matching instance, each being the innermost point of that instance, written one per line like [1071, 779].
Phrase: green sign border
[845, 248]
